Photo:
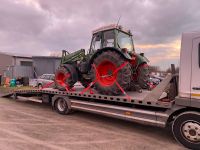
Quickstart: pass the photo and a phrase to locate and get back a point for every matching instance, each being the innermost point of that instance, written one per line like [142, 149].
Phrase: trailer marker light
[128, 113]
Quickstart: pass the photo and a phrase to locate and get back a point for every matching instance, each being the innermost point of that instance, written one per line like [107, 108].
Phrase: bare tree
[154, 69]
[169, 70]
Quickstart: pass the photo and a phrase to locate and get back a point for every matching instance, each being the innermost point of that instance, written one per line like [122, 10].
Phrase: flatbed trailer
[148, 107]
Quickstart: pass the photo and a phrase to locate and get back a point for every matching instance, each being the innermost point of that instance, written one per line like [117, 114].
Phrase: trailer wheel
[186, 129]
[61, 106]
[40, 86]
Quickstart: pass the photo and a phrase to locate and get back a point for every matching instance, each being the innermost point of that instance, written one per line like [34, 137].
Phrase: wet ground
[31, 125]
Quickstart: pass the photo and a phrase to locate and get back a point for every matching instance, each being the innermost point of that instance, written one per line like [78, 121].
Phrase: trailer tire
[40, 86]
[61, 106]
[186, 129]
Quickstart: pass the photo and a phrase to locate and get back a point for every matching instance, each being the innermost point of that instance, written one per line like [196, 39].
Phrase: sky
[45, 27]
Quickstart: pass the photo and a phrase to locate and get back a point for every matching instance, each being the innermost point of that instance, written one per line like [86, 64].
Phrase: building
[45, 64]
[12, 65]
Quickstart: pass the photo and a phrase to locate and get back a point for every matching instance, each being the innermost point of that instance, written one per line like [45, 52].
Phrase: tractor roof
[110, 27]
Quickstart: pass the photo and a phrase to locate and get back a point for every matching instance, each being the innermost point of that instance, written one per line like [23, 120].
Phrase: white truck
[175, 102]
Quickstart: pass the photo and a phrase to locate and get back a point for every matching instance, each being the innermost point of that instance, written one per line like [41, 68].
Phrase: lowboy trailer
[148, 107]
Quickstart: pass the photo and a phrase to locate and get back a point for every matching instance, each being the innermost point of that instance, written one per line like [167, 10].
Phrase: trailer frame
[149, 107]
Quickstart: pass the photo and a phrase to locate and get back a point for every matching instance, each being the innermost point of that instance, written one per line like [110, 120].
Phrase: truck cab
[189, 75]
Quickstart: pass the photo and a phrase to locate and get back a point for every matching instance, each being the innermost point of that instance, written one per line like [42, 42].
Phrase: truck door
[195, 75]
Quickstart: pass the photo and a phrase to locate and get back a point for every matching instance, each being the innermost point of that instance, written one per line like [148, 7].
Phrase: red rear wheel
[106, 70]
[107, 64]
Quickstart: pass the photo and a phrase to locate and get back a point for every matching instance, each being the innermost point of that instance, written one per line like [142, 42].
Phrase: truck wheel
[106, 63]
[186, 129]
[61, 106]
[66, 76]
[40, 86]
[143, 76]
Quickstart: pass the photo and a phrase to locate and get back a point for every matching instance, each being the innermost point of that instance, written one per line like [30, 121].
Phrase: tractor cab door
[101, 40]
[96, 43]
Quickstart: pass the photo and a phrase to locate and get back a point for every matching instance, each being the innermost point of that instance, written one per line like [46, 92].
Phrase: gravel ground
[30, 125]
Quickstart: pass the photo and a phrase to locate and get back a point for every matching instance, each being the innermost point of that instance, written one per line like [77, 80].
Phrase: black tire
[185, 128]
[61, 106]
[143, 76]
[123, 77]
[61, 81]
[40, 86]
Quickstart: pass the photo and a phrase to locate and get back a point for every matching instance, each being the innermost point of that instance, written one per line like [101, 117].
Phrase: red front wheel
[65, 77]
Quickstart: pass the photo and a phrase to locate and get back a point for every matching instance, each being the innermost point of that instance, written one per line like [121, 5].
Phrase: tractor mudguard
[123, 54]
[141, 59]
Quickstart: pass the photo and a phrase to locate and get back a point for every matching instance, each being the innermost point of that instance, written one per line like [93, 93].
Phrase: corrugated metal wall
[45, 65]
[23, 71]
[19, 71]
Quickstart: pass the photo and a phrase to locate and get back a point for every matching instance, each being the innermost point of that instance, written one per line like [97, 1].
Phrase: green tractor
[111, 62]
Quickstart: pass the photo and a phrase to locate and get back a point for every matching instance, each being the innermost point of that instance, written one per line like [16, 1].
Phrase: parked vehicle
[42, 80]
[155, 80]
[157, 77]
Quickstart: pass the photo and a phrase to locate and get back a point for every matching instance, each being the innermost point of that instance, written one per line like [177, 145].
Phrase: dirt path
[29, 125]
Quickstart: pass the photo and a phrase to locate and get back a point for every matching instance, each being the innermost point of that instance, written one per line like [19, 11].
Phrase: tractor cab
[112, 36]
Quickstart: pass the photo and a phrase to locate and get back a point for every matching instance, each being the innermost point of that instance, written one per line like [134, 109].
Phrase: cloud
[39, 27]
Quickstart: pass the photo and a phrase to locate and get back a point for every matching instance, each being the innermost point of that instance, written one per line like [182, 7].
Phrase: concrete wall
[5, 61]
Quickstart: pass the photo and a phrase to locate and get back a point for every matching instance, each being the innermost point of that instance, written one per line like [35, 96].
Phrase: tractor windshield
[125, 41]
[109, 37]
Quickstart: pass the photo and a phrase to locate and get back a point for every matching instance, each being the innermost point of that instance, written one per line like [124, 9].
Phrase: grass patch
[8, 89]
